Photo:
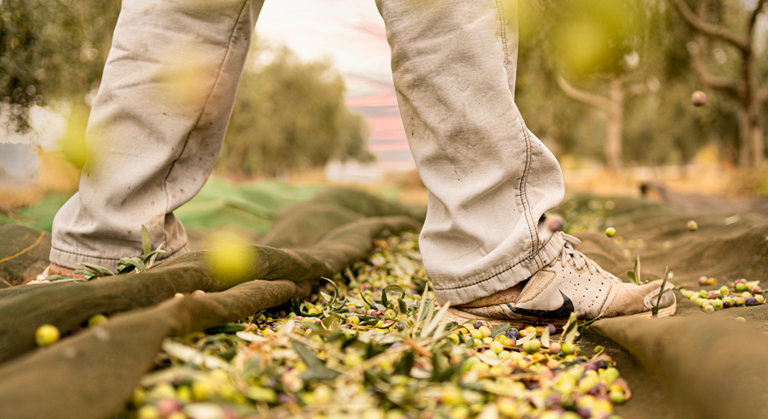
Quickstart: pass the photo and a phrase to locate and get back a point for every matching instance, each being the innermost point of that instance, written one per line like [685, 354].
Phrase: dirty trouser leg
[156, 126]
[489, 178]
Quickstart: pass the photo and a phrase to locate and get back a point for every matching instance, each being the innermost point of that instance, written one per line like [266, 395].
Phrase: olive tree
[731, 23]
[290, 115]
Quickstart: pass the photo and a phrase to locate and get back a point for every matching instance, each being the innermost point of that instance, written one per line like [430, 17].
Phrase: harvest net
[398, 358]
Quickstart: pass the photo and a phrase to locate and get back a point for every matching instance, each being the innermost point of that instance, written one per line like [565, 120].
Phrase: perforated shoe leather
[572, 283]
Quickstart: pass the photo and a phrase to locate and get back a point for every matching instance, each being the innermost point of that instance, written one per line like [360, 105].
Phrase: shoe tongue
[573, 241]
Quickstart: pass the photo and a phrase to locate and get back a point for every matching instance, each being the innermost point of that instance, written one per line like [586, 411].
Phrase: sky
[352, 33]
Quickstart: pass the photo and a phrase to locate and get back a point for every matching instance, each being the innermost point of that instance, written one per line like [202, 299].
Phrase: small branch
[586, 97]
[709, 29]
[418, 348]
[715, 82]
[753, 17]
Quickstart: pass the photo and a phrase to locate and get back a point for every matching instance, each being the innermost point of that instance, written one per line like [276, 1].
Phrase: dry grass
[700, 179]
[706, 176]
[56, 173]
[12, 198]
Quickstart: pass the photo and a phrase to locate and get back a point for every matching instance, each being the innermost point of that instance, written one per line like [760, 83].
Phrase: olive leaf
[655, 309]
[93, 271]
[88, 274]
[442, 370]
[57, 277]
[316, 370]
[400, 298]
[635, 276]
[500, 330]
[229, 328]
[369, 320]
[146, 241]
[522, 340]
[126, 265]
[584, 325]
[296, 308]
[631, 276]
[365, 300]
[570, 330]
[62, 278]
[331, 322]
[149, 260]
[545, 337]
[406, 362]
[428, 313]
[469, 342]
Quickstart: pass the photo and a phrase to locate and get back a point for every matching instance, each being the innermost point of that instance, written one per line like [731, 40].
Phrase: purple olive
[555, 223]
[513, 334]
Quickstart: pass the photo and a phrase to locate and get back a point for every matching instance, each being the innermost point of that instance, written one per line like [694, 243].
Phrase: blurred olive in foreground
[46, 335]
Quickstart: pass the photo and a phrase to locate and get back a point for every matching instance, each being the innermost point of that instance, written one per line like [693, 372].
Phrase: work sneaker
[572, 283]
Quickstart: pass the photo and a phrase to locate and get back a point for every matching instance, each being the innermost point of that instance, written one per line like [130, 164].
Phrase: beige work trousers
[167, 92]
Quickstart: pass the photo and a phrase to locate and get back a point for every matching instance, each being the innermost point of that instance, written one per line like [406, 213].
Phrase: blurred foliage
[749, 182]
[290, 115]
[645, 43]
[51, 50]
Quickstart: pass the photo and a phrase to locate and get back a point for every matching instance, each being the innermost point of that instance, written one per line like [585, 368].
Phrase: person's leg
[490, 180]
[156, 126]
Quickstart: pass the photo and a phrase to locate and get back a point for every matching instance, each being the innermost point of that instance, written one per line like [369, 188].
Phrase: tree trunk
[745, 140]
[613, 137]
[756, 135]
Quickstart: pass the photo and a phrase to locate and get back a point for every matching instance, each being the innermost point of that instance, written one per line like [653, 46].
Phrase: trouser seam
[503, 32]
[161, 256]
[202, 112]
[532, 229]
[532, 224]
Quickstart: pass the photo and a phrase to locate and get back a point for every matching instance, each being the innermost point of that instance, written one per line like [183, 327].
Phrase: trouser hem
[70, 258]
[497, 279]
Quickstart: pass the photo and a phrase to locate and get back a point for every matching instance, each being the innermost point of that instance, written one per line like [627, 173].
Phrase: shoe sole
[461, 317]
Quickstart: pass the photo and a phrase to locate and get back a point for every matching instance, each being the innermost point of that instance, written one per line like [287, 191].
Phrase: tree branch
[582, 96]
[697, 62]
[709, 29]
[753, 17]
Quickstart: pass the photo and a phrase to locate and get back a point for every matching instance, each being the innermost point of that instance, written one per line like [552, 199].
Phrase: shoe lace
[576, 258]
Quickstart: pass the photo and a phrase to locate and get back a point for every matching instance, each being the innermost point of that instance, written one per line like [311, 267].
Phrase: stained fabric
[91, 374]
[690, 365]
